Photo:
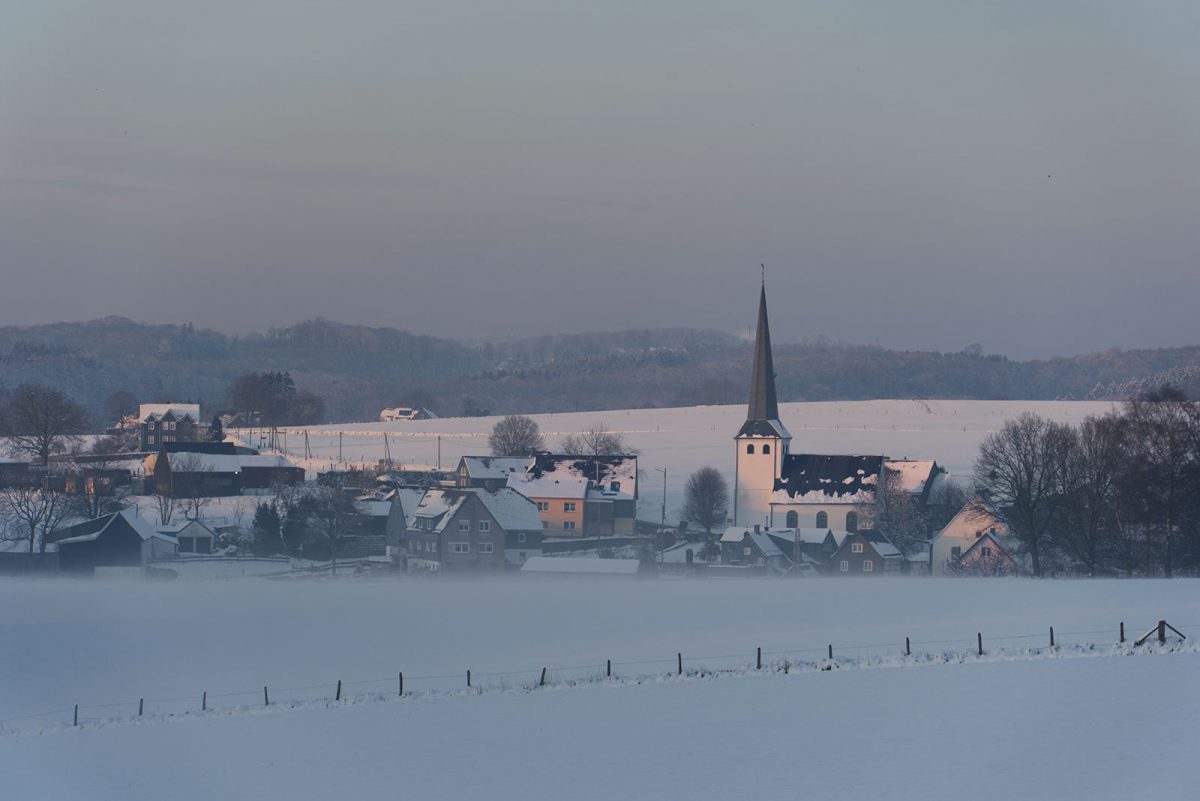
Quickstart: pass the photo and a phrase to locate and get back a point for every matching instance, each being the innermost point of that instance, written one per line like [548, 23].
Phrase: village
[196, 499]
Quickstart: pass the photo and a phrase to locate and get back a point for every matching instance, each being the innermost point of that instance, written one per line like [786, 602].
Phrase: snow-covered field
[681, 440]
[1050, 726]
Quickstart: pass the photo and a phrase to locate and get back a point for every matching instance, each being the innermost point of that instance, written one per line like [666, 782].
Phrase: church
[774, 487]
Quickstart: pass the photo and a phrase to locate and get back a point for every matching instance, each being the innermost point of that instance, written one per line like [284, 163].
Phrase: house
[266, 471]
[581, 566]
[490, 472]
[989, 556]
[380, 524]
[192, 536]
[815, 546]
[118, 543]
[397, 413]
[201, 468]
[404, 501]
[168, 422]
[867, 553]
[823, 491]
[518, 518]
[746, 546]
[582, 496]
[453, 530]
[973, 522]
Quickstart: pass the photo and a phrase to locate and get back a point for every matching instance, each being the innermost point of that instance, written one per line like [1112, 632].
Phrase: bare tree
[334, 519]
[34, 511]
[192, 492]
[1016, 471]
[516, 435]
[39, 421]
[598, 440]
[1088, 475]
[899, 516]
[706, 500]
[166, 505]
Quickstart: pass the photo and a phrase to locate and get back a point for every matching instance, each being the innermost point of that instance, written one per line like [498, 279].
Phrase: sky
[1024, 175]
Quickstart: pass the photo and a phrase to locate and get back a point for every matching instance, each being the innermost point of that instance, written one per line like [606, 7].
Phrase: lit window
[150, 439]
[868, 566]
[845, 566]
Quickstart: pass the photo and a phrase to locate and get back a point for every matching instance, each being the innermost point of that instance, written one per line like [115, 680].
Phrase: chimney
[756, 528]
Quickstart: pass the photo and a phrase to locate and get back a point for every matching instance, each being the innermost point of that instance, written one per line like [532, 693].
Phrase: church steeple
[763, 404]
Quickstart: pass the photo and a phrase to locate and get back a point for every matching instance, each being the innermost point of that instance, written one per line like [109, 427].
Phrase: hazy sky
[918, 174]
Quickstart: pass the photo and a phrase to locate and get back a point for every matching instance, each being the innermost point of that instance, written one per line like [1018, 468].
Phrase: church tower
[762, 441]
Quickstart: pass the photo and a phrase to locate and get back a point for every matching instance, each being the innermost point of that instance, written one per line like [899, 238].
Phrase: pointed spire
[763, 405]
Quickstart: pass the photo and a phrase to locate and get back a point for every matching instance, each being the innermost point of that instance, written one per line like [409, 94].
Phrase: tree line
[1118, 494]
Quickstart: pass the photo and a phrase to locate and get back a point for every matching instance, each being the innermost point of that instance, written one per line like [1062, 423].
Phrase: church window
[851, 521]
[750, 448]
[822, 520]
[766, 448]
[793, 520]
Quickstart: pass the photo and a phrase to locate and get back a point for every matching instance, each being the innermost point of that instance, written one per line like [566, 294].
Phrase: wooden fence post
[907, 647]
[76, 715]
[1122, 631]
[402, 682]
[141, 706]
[204, 702]
[759, 658]
[979, 636]
[679, 656]
[542, 681]
[608, 670]
[831, 650]
[338, 697]
[1162, 631]
[266, 698]
[468, 678]
[1052, 636]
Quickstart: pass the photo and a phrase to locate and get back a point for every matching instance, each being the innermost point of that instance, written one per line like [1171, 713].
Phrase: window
[462, 547]
[150, 439]
[749, 449]
[746, 551]
[521, 537]
[464, 525]
[568, 506]
[851, 521]
[822, 520]
[766, 448]
[793, 520]
[487, 547]
[149, 425]
[845, 566]
[978, 534]
[568, 525]
[856, 547]
[543, 506]
[868, 566]
[985, 552]
[956, 551]
[485, 526]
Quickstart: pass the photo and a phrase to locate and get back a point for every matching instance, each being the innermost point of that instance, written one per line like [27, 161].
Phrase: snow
[549, 486]
[1028, 723]
[682, 439]
[909, 475]
[512, 510]
[580, 565]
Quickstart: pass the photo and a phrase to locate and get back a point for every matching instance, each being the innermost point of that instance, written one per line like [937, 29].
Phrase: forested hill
[359, 370]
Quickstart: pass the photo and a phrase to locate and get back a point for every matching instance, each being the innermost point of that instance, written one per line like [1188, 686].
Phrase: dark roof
[214, 448]
[834, 476]
[605, 471]
[763, 404]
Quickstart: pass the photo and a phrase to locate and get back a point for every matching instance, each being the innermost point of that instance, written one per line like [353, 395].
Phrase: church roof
[817, 478]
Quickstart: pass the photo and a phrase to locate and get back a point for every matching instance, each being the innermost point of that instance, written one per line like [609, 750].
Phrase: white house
[974, 521]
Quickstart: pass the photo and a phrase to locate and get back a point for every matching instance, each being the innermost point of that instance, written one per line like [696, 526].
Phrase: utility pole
[663, 470]
[339, 446]
[439, 451]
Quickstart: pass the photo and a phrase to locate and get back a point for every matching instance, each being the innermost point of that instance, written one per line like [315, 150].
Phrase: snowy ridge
[776, 664]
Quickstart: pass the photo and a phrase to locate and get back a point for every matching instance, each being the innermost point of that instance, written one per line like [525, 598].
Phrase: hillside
[359, 369]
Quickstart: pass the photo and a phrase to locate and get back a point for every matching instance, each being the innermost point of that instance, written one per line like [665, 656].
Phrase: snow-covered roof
[139, 525]
[407, 497]
[816, 478]
[910, 475]
[159, 409]
[438, 505]
[615, 475]
[580, 565]
[882, 545]
[264, 460]
[175, 529]
[496, 467]
[512, 510]
[761, 539]
[373, 508]
[549, 486]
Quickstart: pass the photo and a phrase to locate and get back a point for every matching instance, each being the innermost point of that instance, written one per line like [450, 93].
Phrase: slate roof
[495, 467]
[613, 475]
[92, 529]
[512, 510]
[816, 478]
[761, 539]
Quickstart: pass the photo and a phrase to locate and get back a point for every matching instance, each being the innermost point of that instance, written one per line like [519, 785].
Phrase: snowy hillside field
[1023, 721]
[684, 439]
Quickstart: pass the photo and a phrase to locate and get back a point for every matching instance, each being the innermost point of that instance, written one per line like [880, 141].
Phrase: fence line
[751, 660]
